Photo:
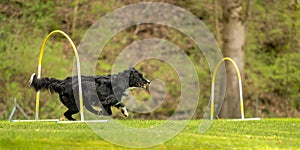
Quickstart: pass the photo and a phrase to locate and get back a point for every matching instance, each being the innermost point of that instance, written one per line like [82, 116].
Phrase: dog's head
[136, 79]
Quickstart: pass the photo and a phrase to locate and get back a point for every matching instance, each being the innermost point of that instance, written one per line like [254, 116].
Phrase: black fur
[109, 90]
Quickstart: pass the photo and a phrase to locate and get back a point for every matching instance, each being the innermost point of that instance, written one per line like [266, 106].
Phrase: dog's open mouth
[143, 85]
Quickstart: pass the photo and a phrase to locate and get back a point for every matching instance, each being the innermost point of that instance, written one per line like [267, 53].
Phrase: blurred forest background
[272, 53]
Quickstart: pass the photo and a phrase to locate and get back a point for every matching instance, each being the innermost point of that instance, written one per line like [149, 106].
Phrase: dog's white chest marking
[127, 92]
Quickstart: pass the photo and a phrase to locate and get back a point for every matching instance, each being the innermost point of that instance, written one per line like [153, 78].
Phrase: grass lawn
[223, 134]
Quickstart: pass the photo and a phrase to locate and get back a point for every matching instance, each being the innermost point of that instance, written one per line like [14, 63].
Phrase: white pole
[241, 99]
[12, 113]
[212, 107]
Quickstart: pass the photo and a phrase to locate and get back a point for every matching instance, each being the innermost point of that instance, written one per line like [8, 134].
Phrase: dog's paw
[99, 113]
[102, 113]
[124, 111]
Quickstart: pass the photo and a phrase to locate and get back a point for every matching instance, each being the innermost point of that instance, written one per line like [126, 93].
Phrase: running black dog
[108, 90]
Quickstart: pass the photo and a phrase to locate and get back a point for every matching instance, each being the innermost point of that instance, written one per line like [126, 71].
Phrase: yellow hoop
[213, 87]
[78, 70]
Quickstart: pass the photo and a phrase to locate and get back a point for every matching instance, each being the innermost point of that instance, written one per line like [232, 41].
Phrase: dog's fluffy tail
[51, 84]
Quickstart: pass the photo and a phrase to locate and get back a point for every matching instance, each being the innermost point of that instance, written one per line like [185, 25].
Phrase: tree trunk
[233, 36]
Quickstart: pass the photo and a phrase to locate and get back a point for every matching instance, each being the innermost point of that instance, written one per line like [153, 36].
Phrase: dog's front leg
[113, 101]
[123, 109]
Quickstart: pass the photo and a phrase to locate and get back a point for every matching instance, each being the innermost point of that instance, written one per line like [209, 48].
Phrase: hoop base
[43, 120]
[245, 119]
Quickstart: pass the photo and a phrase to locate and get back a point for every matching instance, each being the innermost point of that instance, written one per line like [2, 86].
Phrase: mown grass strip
[263, 134]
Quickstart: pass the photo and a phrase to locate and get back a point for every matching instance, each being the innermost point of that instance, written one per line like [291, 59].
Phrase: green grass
[223, 134]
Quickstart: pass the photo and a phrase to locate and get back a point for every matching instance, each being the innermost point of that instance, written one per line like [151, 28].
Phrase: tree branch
[248, 11]
[75, 12]
[216, 22]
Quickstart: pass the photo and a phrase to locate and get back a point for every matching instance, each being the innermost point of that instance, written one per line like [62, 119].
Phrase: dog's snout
[148, 82]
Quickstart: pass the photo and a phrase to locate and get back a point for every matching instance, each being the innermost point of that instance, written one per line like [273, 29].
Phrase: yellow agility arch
[213, 87]
[78, 71]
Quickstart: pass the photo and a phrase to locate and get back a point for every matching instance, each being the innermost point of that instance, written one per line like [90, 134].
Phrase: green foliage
[272, 53]
[22, 36]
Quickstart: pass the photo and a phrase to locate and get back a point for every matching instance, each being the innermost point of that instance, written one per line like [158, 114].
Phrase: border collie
[108, 90]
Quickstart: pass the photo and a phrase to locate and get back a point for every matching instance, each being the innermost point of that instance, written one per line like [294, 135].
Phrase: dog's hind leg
[68, 114]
